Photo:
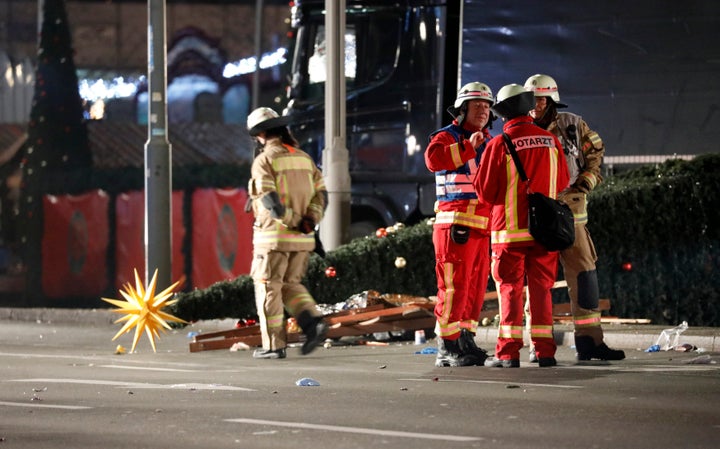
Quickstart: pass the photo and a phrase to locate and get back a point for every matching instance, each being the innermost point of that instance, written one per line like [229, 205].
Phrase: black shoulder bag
[550, 221]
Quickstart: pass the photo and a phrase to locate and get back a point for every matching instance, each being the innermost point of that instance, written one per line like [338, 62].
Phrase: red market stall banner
[221, 236]
[74, 245]
[130, 237]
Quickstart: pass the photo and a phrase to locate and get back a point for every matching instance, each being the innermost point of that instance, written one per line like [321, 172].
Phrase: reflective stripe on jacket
[293, 175]
[498, 182]
[455, 163]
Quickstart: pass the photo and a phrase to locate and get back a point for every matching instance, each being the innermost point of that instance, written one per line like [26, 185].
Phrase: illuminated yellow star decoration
[142, 309]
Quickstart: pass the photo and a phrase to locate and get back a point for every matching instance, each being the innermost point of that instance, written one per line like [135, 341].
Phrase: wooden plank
[231, 333]
[369, 320]
[387, 326]
[363, 315]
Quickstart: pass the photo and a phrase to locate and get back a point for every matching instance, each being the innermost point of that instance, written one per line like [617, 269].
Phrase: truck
[643, 74]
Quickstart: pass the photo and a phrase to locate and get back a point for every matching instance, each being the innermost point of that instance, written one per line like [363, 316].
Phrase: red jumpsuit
[517, 258]
[462, 269]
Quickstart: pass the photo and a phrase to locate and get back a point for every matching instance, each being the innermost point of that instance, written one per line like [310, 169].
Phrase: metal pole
[258, 53]
[334, 229]
[158, 167]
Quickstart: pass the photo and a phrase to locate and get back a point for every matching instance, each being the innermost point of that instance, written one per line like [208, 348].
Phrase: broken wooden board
[353, 322]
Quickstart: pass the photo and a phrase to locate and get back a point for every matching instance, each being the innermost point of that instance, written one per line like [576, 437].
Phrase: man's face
[540, 107]
[478, 114]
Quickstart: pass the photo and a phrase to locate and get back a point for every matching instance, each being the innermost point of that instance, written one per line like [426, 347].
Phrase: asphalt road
[63, 386]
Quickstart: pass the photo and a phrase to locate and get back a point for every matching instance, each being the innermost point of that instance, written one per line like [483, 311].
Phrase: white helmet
[544, 86]
[473, 91]
[262, 119]
[513, 100]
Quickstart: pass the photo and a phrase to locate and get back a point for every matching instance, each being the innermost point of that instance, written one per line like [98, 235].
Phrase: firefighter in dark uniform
[584, 151]
[288, 199]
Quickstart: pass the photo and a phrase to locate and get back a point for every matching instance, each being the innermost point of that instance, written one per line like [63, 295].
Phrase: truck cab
[394, 73]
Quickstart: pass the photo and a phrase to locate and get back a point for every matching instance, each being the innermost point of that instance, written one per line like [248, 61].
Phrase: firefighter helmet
[473, 91]
[262, 119]
[544, 86]
[513, 101]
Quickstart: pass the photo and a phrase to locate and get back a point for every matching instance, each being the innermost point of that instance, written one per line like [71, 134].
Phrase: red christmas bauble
[381, 232]
[627, 266]
[330, 272]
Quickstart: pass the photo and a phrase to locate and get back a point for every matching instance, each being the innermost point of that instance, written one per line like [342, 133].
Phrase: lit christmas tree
[57, 155]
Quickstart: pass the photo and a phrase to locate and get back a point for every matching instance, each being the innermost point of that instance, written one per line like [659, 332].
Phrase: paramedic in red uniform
[516, 257]
[460, 232]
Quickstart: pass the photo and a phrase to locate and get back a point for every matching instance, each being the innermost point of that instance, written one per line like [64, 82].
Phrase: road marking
[106, 359]
[147, 368]
[113, 383]
[362, 430]
[64, 407]
[499, 382]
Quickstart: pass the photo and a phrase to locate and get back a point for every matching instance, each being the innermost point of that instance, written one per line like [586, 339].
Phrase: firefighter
[584, 151]
[460, 233]
[516, 257]
[288, 198]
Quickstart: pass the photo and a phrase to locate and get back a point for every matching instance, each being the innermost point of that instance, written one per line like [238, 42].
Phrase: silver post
[158, 168]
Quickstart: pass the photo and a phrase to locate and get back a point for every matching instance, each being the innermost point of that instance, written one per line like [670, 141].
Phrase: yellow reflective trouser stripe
[515, 235]
[541, 331]
[274, 321]
[507, 331]
[444, 328]
[470, 325]
[295, 303]
[589, 320]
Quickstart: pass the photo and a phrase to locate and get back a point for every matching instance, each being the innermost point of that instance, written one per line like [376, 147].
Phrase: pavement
[622, 336]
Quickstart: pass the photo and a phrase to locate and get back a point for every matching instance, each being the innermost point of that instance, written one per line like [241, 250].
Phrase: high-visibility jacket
[293, 176]
[452, 158]
[583, 147]
[499, 184]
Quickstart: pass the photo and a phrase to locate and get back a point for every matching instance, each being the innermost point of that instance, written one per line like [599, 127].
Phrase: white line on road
[64, 407]
[113, 383]
[147, 368]
[499, 382]
[363, 430]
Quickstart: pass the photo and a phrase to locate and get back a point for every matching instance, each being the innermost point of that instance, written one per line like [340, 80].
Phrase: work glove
[307, 224]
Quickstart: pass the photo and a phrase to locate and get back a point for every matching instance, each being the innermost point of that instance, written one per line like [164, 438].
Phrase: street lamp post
[158, 167]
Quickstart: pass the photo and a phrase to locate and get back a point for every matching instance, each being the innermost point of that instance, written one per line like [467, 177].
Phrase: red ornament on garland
[381, 232]
[330, 272]
[627, 266]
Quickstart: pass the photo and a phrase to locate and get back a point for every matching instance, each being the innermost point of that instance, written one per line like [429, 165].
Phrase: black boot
[468, 346]
[450, 354]
[587, 350]
[314, 328]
